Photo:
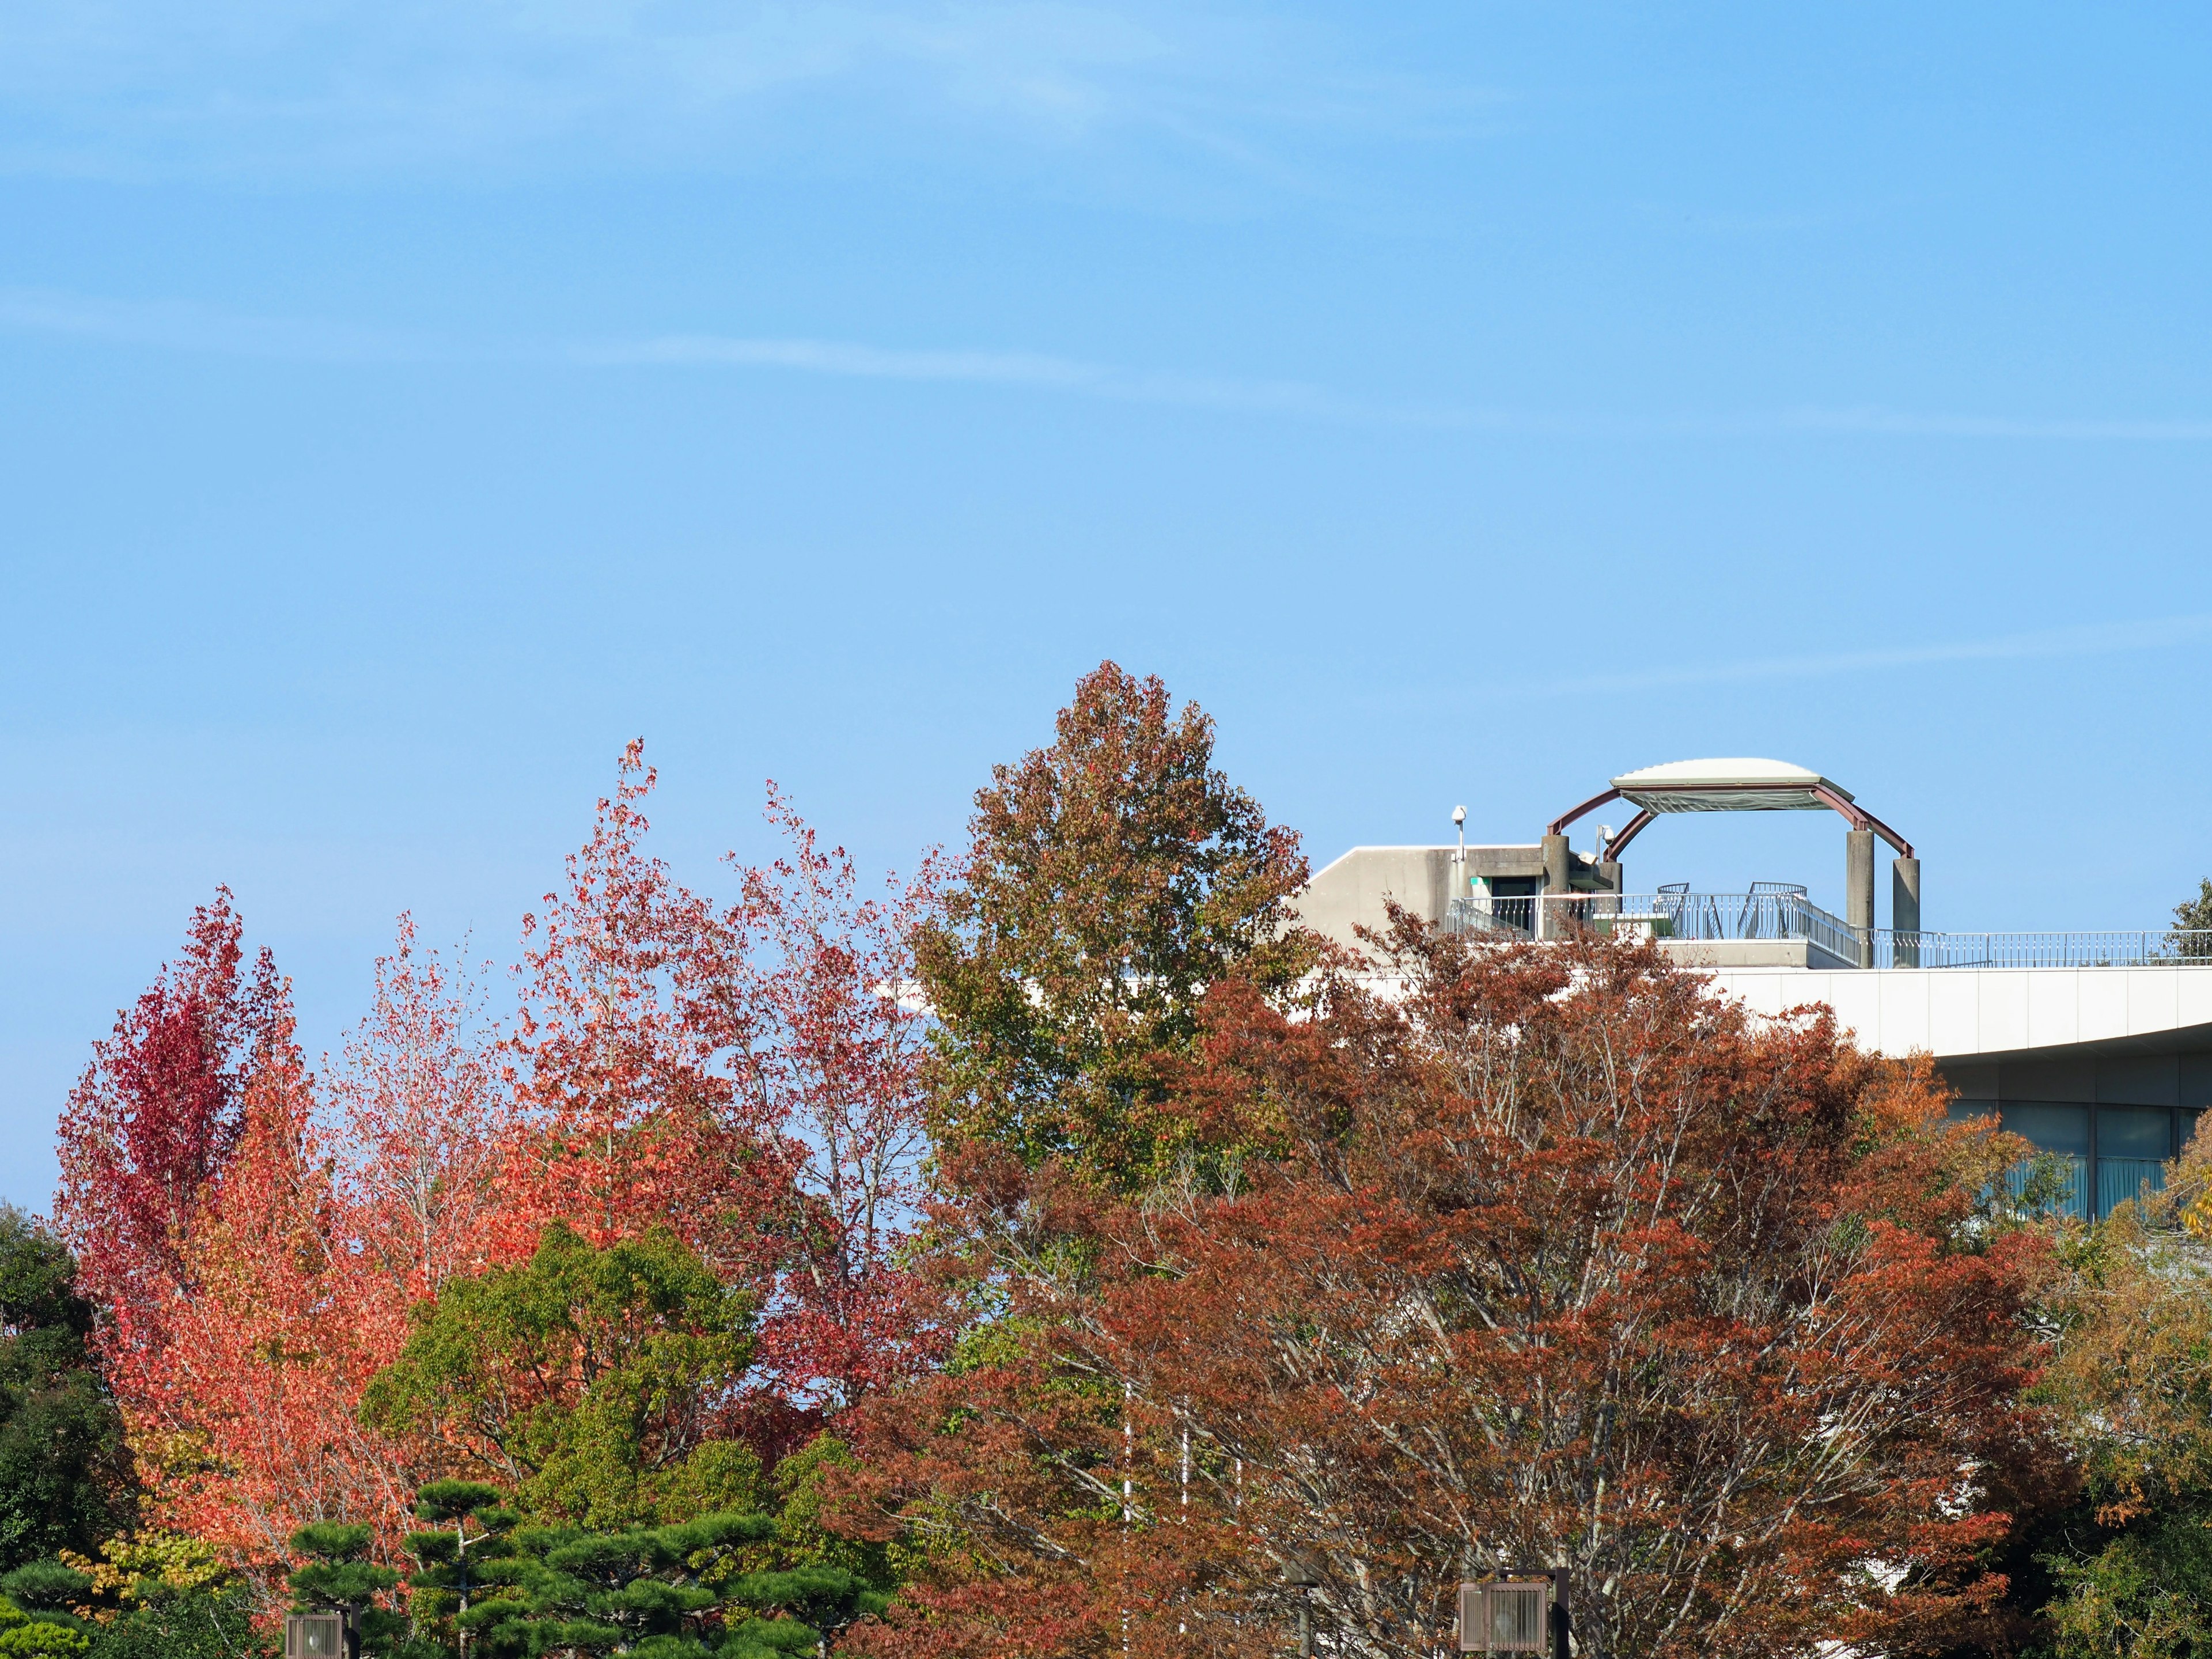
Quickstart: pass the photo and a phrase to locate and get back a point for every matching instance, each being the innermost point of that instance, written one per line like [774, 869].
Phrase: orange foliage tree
[743, 1077]
[244, 1416]
[1553, 1257]
[628, 1117]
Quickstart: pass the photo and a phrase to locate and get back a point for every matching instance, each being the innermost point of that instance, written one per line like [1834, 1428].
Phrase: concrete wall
[1349, 893]
[1750, 953]
[1990, 1012]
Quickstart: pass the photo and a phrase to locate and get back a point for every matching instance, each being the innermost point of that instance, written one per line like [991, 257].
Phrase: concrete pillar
[1608, 875]
[1556, 865]
[1905, 909]
[1858, 890]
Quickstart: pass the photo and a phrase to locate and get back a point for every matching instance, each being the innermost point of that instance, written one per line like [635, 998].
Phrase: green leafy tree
[166, 1595]
[1114, 876]
[65, 1477]
[201, 1624]
[591, 1381]
[803, 1538]
[2129, 1567]
[2192, 923]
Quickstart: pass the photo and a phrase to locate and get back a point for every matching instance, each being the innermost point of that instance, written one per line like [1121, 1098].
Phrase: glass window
[1965, 1111]
[2063, 1131]
[2189, 1121]
[2050, 1129]
[2135, 1131]
[2133, 1142]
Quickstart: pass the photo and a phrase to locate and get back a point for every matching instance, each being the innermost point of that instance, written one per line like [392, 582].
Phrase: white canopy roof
[1727, 785]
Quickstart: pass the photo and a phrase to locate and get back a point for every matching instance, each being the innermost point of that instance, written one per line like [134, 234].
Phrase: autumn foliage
[1066, 1239]
[740, 1080]
[1115, 875]
[157, 1112]
[1551, 1258]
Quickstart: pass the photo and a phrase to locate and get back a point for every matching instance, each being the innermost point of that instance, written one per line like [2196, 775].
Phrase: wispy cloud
[182, 326]
[178, 325]
[1903, 423]
[1007, 368]
[2095, 639]
[276, 88]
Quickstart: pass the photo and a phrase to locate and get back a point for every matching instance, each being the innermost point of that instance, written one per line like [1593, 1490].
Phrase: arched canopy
[1728, 786]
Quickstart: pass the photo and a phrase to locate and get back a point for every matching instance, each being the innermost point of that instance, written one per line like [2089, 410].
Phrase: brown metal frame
[1857, 816]
[1635, 824]
[1559, 826]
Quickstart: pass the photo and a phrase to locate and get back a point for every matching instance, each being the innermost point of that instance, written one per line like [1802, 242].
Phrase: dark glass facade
[2111, 1152]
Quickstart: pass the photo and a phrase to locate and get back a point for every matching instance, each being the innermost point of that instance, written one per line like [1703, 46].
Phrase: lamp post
[1523, 1612]
[318, 1635]
[1303, 1578]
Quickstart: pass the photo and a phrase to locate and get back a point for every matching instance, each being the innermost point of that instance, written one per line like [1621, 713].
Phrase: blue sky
[402, 406]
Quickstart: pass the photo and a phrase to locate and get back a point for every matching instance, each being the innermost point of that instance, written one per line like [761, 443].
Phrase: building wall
[1349, 893]
[1963, 1012]
[2107, 1070]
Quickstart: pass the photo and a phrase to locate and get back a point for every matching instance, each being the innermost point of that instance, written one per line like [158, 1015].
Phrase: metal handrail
[1659, 916]
[2151, 947]
[1769, 915]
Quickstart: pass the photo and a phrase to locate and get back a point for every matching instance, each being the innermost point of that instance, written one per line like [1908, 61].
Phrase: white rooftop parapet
[1959, 1013]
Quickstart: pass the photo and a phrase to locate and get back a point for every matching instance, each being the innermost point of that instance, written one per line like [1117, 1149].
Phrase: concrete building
[2096, 1047]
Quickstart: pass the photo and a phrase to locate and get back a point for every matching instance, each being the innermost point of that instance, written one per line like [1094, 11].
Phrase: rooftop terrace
[1774, 913]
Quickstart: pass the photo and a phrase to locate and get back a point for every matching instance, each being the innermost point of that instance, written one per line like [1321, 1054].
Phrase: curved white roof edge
[1741, 773]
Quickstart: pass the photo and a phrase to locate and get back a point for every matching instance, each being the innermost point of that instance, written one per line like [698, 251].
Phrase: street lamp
[1524, 1612]
[1303, 1578]
[315, 1636]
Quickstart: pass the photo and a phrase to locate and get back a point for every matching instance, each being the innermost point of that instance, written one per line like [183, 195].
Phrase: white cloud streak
[2095, 639]
[1028, 370]
[289, 88]
[183, 326]
[1902, 423]
[177, 326]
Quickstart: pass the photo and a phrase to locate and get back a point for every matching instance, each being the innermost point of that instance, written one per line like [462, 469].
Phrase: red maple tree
[157, 1112]
[833, 1041]
[627, 1114]
[744, 1076]
[1552, 1257]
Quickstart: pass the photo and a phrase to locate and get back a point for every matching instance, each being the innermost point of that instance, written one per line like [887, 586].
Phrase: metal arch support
[1860, 818]
[1559, 825]
[1612, 848]
[1857, 816]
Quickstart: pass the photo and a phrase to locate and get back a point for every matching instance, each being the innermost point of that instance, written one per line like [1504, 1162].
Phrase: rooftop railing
[2147, 948]
[1685, 916]
[1790, 915]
